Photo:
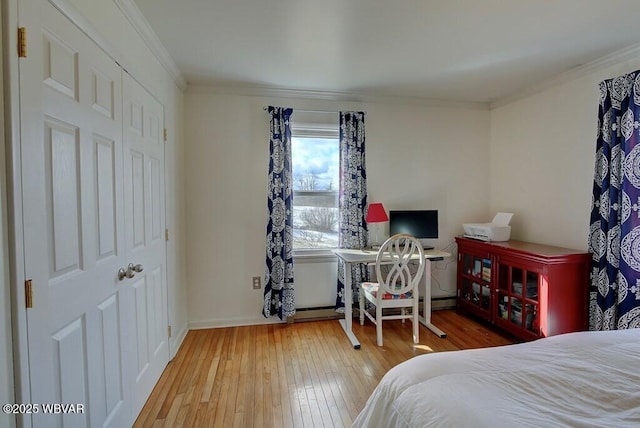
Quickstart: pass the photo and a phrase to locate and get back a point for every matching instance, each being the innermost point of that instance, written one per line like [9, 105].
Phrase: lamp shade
[376, 213]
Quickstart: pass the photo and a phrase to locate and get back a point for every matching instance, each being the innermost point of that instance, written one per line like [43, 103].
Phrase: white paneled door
[145, 240]
[93, 206]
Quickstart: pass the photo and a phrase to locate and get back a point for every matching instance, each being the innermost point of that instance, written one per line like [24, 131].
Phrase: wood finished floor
[292, 375]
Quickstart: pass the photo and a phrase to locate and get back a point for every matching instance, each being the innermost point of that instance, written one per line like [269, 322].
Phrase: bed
[573, 380]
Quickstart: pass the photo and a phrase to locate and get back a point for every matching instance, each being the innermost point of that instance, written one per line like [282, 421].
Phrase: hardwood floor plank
[246, 354]
[176, 404]
[319, 412]
[233, 386]
[194, 390]
[260, 371]
[202, 419]
[207, 389]
[320, 361]
[283, 380]
[292, 375]
[162, 392]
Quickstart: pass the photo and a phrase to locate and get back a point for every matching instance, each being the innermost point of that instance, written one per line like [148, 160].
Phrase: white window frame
[315, 130]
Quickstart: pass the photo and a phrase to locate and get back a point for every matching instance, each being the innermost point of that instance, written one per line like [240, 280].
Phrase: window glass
[316, 181]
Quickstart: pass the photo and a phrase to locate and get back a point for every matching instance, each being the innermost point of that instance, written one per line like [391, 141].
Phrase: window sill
[314, 256]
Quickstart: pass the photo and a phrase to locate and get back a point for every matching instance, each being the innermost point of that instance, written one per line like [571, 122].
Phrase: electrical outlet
[256, 283]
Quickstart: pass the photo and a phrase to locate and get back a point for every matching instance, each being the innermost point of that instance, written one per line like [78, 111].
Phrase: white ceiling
[458, 50]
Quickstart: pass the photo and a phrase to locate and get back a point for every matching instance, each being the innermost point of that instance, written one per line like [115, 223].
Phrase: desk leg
[347, 322]
[426, 302]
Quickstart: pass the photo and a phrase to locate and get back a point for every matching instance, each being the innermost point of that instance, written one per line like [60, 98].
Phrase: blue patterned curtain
[614, 237]
[279, 294]
[353, 199]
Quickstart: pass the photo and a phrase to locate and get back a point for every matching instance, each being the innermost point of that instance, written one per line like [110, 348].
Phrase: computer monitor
[421, 224]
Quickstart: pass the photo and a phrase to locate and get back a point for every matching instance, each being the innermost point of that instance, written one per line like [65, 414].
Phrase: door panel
[158, 334]
[155, 193]
[60, 66]
[145, 223]
[62, 155]
[110, 338]
[103, 100]
[71, 377]
[137, 216]
[72, 176]
[106, 208]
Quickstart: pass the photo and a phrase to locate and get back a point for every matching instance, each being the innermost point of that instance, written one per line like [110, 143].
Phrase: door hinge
[166, 234]
[169, 331]
[22, 42]
[165, 134]
[28, 294]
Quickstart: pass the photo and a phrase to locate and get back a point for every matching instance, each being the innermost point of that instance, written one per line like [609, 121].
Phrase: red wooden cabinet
[529, 290]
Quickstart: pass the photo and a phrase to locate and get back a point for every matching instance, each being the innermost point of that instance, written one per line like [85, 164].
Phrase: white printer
[498, 230]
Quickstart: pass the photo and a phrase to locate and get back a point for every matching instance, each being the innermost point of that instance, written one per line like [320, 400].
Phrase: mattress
[585, 379]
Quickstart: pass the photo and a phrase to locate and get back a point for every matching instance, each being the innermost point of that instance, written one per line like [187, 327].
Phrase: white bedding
[587, 379]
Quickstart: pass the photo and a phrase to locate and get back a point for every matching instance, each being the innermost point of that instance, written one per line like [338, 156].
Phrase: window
[316, 180]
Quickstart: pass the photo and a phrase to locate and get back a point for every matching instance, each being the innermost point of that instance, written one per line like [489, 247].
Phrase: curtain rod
[311, 111]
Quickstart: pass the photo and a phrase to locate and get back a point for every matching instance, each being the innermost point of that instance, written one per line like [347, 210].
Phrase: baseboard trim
[233, 322]
[302, 314]
[177, 342]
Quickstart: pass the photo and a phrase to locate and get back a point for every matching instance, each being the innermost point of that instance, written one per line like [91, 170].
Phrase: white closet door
[93, 203]
[145, 235]
[73, 214]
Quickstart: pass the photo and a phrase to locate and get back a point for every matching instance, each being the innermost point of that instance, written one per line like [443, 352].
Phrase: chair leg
[379, 324]
[403, 312]
[361, 305]
[416, 325]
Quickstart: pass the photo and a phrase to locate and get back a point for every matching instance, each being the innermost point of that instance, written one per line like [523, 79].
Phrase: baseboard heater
[315, 313]
[443, 302]
[329, 312]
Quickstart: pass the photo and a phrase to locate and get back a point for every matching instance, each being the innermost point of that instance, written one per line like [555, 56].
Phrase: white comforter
[587, 379]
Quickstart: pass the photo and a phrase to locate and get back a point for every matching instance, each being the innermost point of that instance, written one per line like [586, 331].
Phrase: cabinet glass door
[518, 298]
[476, 279]
[476, 293]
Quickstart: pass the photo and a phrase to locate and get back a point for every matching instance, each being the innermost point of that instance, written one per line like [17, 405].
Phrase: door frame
[15, 229]
[7, 392]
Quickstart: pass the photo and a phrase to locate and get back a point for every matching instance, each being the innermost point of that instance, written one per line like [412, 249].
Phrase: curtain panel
[279, 293]
[352, 200]
[614, 237]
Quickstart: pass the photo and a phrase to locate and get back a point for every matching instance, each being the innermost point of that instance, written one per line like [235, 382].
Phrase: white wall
[542, 159]
[417, 157]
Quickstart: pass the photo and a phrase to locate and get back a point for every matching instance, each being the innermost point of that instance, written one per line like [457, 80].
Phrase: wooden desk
[350, 257]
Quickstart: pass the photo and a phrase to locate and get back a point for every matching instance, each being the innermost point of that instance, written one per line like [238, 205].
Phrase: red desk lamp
[376, 214]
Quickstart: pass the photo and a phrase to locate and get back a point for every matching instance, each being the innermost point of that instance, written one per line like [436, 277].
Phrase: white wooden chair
[397, 287]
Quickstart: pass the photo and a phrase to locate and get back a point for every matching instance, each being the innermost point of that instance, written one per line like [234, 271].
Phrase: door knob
[135, 268]
[122, 274]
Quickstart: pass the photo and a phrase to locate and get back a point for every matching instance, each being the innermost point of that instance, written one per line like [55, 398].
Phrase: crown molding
[356, 97]
[629, 53]
[142, 27]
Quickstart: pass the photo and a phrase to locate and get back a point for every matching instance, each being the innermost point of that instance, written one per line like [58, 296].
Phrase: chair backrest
[397, 254]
